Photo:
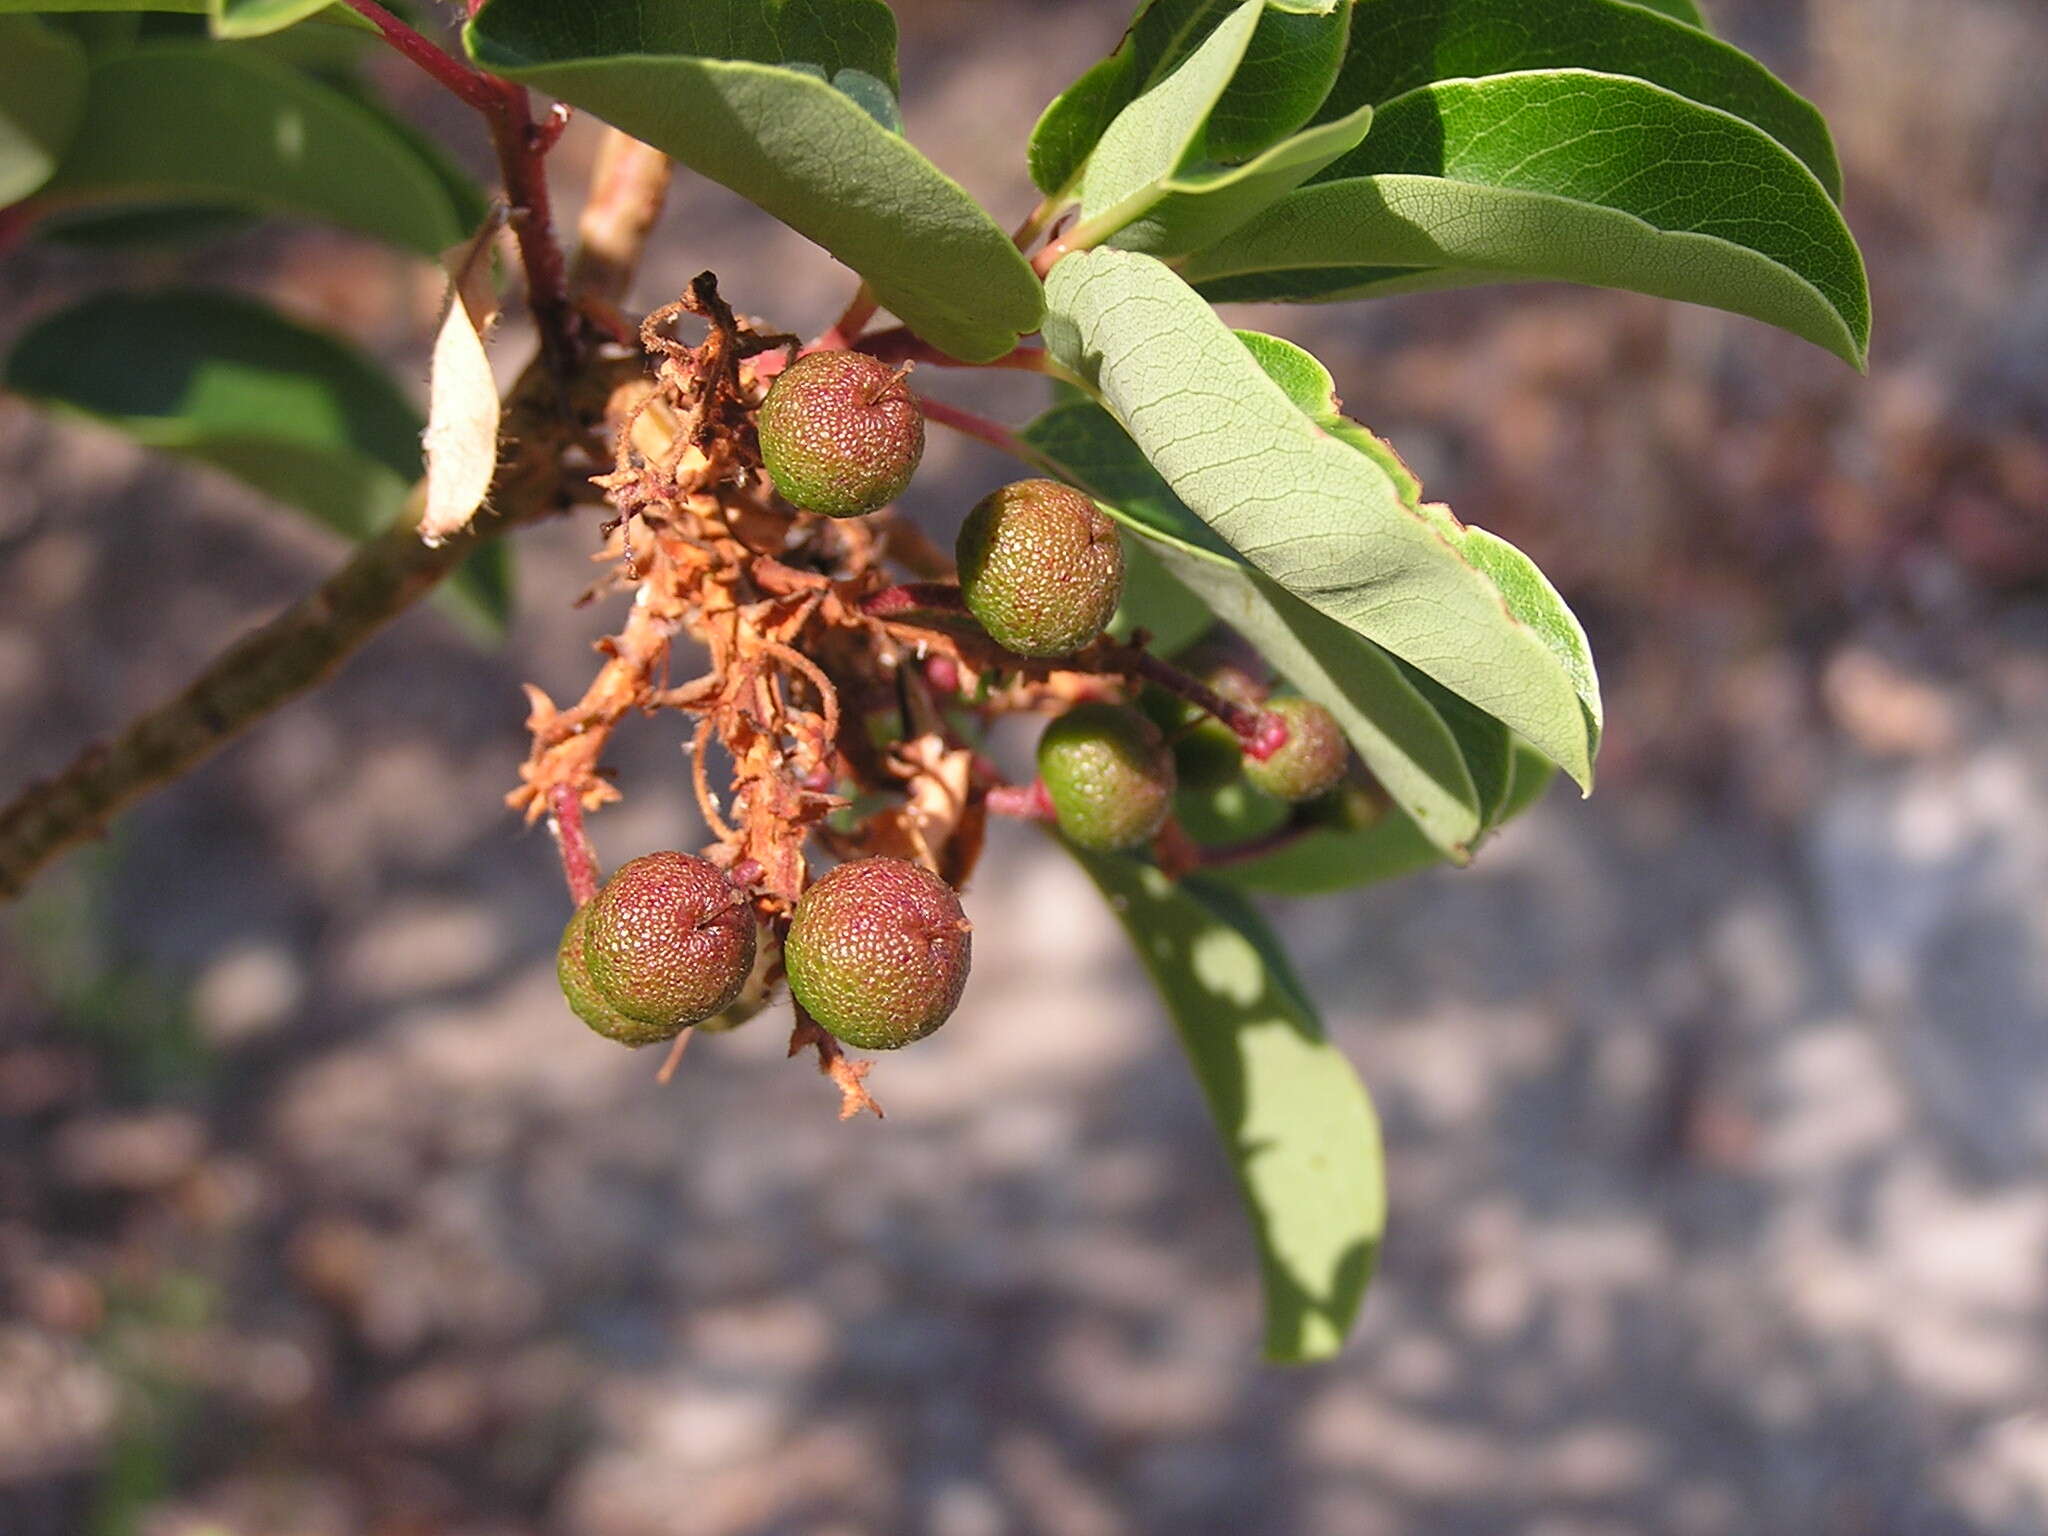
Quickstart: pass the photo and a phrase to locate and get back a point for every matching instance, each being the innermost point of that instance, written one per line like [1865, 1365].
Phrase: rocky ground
[1716, 1105]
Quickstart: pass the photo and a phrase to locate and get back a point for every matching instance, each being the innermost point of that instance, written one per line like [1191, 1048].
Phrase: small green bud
[1313, 758]
[878, 953]
[1109, 775]
[666, 943]
[1040, 567]
[840, 433]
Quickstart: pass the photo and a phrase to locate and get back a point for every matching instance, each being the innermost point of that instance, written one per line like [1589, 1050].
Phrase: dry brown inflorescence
[825, 682]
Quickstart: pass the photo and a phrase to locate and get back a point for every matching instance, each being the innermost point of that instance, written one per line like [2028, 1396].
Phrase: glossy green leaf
[1200, 204]
[1563, 175]
[1157, 181]
[1395, 731]
[1680, 10]
[786, 139]
[1153, 137]
[1402, 45]
[1284, 72]
[1319, 863]
[42, 97]
[1296, 1123]
[200, 123]
[1323, 520]
[297, 413]
[256, 18]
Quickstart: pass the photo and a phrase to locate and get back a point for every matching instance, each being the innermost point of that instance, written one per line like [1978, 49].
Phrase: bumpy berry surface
[840, 433]
[1312, 761]
[588, 1004]
[878, 953]
[668, 941]
[1040, 567]
[1109, 775]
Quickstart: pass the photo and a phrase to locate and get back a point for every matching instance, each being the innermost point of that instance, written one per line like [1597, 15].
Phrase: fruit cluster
[876, 952]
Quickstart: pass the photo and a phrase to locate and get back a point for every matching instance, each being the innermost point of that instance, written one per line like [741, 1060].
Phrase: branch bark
[304, 645]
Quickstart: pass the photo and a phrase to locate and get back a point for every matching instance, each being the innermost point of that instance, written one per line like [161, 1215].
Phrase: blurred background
[1717, 1105]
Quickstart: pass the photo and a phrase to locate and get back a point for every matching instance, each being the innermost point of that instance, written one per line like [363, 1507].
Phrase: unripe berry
[1109, 775]
[878, 952]
[586, 1001]
[1040, 567]
[667, 942]
[1311, 761]
[840, 433]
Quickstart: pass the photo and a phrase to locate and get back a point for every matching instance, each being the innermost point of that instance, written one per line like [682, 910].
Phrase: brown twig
[835, 1064]
[674, 1059]
[628, 187]
[301, 647]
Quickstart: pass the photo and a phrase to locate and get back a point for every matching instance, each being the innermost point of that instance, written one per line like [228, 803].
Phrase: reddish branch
[579, 859]
[522, 146]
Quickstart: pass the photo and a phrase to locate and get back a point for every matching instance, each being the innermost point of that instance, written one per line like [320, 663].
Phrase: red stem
[579, 859]
[1028, 802]
[522, 147]
[913, 597]
[900, 344]
[993, 433]
[846, 329]
[1262, 734]
[480, 90]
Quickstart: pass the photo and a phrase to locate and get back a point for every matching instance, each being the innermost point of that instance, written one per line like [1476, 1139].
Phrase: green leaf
[230, 18]
[1320, 863]
[784, 138]
[1399, 46]
[1200, 204]
[141, 226]
[1681, 10]
[1286, 69]
[1158, 181]
[1401, 738]
[1323, 520]
[1155, 135]
[1171, 615]
[1295, 1120]
[200, 123]
[256, 18]
[42, 97]
[297, 413]
[1286, 72]
[1561, 175]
